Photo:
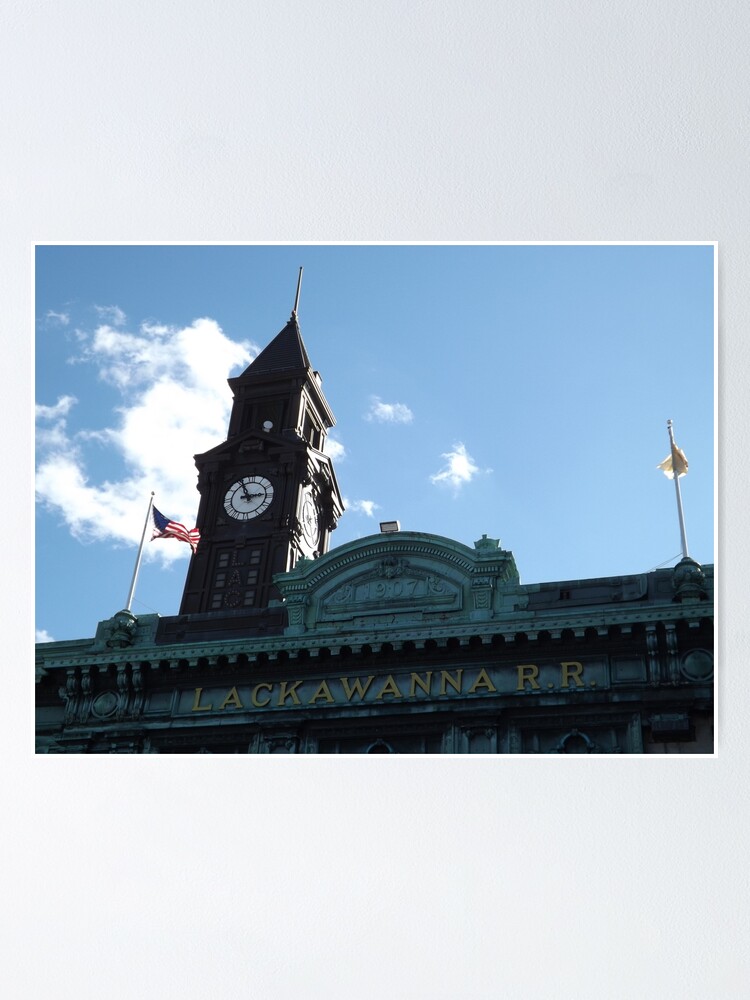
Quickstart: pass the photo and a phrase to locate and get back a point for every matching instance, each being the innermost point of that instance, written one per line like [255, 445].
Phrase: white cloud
[42, 635]
[176, 404]
[60, 409]
[366, 507]
[459, 468]
[334, 449]
[55, 317]
[114, 314]
[198, 356]
[388, 413]
[55, 435]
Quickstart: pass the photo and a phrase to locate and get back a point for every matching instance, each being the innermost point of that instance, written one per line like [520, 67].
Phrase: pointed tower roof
[285, 353]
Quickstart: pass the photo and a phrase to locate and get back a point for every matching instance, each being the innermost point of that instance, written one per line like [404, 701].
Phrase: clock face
[248, 498]
[310, 520]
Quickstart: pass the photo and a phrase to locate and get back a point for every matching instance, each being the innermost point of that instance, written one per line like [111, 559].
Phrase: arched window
[379, 746]
[576, 742]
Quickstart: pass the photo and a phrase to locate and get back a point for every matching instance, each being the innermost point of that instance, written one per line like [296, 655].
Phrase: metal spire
[296, 299]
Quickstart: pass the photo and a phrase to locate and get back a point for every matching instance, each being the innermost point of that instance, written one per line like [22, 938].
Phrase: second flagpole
[683, 535]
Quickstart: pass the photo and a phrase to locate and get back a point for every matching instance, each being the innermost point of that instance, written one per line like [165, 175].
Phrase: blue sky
[519, 391]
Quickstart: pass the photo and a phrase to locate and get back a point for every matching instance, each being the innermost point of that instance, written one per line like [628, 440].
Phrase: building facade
[401, 642]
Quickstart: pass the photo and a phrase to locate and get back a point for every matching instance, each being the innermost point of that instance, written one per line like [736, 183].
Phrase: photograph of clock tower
[397, 639]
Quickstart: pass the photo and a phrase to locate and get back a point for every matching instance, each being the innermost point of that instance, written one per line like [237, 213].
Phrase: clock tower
[269, 494]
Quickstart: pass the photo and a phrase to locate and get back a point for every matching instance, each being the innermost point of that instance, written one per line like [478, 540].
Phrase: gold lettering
[290, 693]
[574, 669]
[232, 698]
[390, 687]
[455, 682]
[482, 681]
[357, 687]
[254, 695]
[416, 681]
[197, 707]
[527, 674]
[323, 692]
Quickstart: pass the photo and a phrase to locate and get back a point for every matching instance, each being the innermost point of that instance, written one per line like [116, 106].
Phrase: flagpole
[683, 536]
[140, 552]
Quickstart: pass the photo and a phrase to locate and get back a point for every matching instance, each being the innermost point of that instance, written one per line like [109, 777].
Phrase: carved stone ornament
[485, 732]
[122, 630]
[482, 593]
[392, 567]
[487, 546]
[296, 604]
[281, 743]
[697, 665]
[688, 581]
[104, 705]
[70, 695]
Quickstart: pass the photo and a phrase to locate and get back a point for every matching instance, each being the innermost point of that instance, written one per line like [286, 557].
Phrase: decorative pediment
[400, 578]
[249, 442]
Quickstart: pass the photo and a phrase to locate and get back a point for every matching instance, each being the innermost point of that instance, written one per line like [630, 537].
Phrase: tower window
[236, 578]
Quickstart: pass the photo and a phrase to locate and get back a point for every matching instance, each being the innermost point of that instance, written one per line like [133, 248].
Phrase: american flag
[164, 528]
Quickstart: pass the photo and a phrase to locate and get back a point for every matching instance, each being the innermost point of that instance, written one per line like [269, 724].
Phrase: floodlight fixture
[387, 527]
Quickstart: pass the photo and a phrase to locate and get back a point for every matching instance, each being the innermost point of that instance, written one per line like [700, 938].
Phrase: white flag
[676, 462]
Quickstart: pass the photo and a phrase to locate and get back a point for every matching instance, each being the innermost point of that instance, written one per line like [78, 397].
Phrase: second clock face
[310, 520]
[248, 497]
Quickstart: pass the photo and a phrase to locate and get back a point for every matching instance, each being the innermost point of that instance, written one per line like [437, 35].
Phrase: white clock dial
[310, 520]
[248, 497]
